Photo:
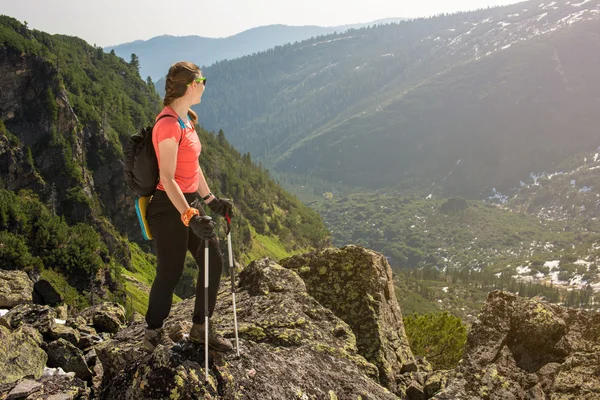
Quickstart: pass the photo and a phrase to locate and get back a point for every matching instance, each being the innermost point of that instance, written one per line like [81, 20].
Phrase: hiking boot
[152, 337]
[215, 341]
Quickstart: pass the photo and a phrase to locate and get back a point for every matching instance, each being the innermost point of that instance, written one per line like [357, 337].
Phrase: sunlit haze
[112, 22]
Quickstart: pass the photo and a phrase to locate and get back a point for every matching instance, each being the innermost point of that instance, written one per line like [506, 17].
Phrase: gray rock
[63, 354]
[524, 348]
[64, 332]
[106, 317]
[91, 357]
[60, 396]
[357, 285]
[60, 387]
[435, 382]
[41, 318]
[24, 389]
[62, 312]
[294, 346]
[87, 341]
[15, 288]
[20, 354]
[45, 294]
[415, 392]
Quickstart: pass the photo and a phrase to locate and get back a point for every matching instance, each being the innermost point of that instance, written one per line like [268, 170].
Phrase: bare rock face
[15, 288]
[290, 347]
[356, 285]
[526, 349]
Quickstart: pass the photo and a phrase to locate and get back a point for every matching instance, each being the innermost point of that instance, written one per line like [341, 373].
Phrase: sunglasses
[198, 80]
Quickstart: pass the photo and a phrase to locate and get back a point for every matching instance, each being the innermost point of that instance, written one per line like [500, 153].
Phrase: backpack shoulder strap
[164, 116]
[172, 116]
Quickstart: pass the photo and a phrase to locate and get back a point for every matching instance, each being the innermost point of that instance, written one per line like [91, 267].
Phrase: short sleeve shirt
[187, 170]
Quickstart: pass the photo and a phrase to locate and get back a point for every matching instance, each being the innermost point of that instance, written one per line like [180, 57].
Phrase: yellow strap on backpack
[141, 207]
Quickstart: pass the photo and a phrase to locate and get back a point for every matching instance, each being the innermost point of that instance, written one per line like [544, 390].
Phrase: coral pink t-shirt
[187, 170]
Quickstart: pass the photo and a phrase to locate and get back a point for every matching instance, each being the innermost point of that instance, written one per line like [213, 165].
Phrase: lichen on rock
[356, 284]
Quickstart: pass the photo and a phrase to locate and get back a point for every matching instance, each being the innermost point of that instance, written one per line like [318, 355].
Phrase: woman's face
[197, 88]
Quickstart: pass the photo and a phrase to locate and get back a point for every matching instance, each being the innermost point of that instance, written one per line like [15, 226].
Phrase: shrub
[439, 337]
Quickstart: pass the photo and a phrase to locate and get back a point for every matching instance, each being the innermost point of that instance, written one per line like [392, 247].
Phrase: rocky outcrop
[290, 347]
[15, 288]
[294, 347]
[356, 285]
[31, 340]
[526, 349]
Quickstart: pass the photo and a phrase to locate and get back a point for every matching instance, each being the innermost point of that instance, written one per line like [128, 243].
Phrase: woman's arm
[168, 162]
[203, 189]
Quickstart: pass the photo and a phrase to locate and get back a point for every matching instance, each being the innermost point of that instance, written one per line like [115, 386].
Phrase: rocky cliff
[527, 349]
[294, 345]
[51, 152]
[46, 149]
[357, 286]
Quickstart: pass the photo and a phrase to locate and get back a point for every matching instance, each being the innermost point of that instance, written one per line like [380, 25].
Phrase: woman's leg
[171, 240]
[215, 259]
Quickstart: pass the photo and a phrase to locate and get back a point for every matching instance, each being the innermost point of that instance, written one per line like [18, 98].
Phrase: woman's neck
[181, 108]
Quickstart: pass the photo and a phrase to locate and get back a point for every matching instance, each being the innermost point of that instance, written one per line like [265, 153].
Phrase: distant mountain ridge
[158, 53]
[470, 101]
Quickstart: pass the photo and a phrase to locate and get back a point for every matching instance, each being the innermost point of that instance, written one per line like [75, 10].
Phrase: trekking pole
[206, 308]
[232, 275]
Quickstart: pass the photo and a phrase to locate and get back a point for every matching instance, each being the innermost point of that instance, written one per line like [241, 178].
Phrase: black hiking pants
[172, 240]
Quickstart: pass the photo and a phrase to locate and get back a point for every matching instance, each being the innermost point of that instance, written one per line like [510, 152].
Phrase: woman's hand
[221, 206]
[203, 227]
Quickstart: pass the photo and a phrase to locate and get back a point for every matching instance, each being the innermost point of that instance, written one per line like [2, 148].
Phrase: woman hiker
[175, 225]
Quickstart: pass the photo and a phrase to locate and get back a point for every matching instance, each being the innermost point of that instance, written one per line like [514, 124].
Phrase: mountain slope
[492, 90]
[568, 192]
[157, 54]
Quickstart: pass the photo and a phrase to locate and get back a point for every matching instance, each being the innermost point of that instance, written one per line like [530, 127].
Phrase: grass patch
[137, 299]
[69, 294]
[138, 295]
[267, 246]
[143, 264]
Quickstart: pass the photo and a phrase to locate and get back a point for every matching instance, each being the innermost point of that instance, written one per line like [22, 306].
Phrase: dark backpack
[140, 162]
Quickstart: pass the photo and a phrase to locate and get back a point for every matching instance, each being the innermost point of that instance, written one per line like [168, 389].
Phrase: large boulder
[15, 288]
[290, 347]
[526, 349]
[357, 285]
[45, 294]
[65, 355]
[105, 317]
[64, 332]
[20, 354]
[42, 318]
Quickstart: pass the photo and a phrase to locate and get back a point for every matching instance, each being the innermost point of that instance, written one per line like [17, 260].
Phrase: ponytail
[180, 74]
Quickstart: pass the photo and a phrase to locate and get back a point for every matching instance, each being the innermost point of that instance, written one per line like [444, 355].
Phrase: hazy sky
[110, 22]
